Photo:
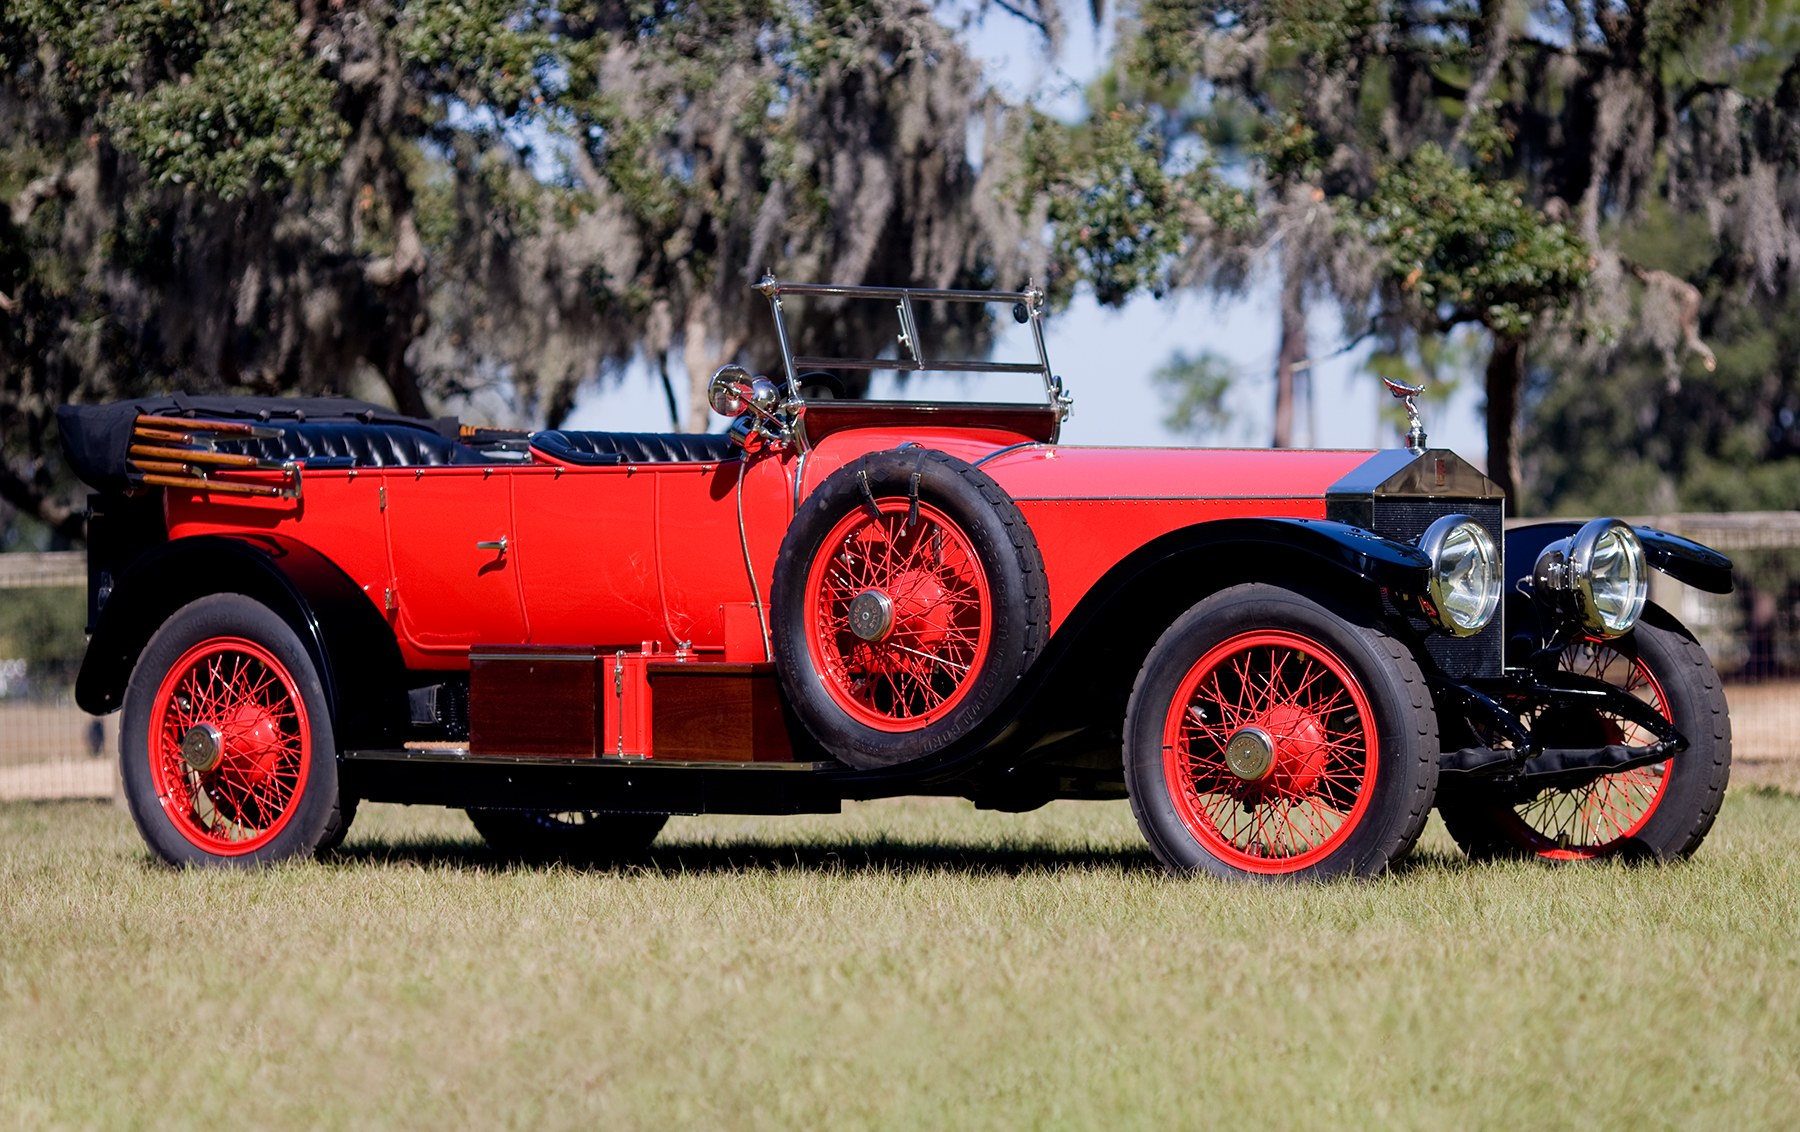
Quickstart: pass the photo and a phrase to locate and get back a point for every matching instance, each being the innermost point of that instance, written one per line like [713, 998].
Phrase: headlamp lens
[1465, 574]
[1612, 579]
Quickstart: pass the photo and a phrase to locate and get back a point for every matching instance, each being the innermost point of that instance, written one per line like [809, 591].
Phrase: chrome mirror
[729, 388]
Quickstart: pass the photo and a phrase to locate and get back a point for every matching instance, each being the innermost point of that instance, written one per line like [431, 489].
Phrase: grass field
[908, 964]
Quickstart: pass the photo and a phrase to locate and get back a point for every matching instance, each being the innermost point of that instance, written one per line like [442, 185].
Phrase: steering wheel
[819, 385]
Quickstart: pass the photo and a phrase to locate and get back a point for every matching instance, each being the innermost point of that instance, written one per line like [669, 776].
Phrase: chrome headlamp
[1596, 576]
[1465, 581]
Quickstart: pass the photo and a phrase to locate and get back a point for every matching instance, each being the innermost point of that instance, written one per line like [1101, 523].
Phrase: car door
[454, 553]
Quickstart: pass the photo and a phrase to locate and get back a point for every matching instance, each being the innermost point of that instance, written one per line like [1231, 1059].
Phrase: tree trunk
[703, 353]
[1505, 374]
[1293, 352]
[399, 280]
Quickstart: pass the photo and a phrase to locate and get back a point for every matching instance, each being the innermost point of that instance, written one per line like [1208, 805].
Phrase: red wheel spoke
[239, 688]
[1309, 705]
[928, 576]
[1598, 818]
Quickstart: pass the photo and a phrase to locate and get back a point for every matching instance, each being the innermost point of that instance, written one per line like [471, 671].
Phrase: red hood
[1171, 473]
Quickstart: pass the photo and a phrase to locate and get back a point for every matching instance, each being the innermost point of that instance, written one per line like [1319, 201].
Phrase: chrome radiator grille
[1405, 519]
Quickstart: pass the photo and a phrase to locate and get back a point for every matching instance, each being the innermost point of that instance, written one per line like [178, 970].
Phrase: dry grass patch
[905, 964]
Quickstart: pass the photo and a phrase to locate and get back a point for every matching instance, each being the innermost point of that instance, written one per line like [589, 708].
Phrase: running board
[448, 753]
[450, 776]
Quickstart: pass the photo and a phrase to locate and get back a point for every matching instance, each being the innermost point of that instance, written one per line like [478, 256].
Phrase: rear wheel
[1662, 811]
[578, 837]
[1271, 735]
[226, 746]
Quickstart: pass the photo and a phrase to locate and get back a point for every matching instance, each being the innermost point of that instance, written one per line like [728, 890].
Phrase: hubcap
[871, 615]
[1250, 754]
[202, 747]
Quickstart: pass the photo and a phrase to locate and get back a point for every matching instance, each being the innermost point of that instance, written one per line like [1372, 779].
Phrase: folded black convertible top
[97, 438]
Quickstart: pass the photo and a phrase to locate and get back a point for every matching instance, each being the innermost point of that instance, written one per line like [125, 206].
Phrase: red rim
[930, 582]
[1317, 721]
[1600, 818]
[239, 689]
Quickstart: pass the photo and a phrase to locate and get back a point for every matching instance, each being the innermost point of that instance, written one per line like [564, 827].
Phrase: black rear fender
[350, 643]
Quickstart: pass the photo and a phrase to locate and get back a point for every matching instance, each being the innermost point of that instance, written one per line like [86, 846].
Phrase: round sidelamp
[871, 615]
[1250, 754]
[202, 747]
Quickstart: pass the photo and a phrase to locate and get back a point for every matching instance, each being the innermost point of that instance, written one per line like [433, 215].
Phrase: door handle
[498, 544]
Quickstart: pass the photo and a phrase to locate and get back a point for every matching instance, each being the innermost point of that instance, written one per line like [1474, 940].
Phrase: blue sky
[1106, 357]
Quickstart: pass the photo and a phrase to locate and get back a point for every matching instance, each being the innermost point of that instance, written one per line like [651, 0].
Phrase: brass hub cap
[1250, 754]
[202, 747]
[871, 615]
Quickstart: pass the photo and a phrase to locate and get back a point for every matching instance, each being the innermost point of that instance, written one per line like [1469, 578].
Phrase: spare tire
[909, 598]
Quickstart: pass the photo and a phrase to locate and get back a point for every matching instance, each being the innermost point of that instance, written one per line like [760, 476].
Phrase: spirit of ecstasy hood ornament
[1408, 395]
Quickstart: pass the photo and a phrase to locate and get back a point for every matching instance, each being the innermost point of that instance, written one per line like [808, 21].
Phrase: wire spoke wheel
[899, 617]
[909, 599]
[230, 745]
[1658, 812]
[1277, 734]
[1599, 818]
[1269, 750]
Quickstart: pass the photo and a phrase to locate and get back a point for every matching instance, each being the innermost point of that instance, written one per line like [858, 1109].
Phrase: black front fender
[1349, 550]
[1078, 687]
[1682, 559]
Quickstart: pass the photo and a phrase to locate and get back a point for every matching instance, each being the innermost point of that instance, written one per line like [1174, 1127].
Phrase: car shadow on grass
[875, 856]
[866, 856]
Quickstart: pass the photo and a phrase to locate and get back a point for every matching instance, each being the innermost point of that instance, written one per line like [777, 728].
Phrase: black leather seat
[359, 445]
[633, 447]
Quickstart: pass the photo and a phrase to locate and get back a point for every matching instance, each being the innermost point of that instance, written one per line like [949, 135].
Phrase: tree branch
[1499, 36]
[1698, 90]
[407, 260]
[47, 187]
[29, 496]
[1011, 9]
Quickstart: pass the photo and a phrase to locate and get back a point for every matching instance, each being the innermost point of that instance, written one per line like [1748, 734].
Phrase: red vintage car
[1284, 659]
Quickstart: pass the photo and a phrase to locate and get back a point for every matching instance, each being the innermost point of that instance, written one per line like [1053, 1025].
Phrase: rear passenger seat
[354, 444]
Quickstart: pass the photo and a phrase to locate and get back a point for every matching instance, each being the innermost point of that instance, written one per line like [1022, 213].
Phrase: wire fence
[50, 748]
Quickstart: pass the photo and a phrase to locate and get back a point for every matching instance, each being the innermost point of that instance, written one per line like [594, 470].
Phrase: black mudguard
[1144, 593]
[351, 644]
[1682, 559]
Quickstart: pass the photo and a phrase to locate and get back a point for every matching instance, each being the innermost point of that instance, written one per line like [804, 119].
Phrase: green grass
[913, 964]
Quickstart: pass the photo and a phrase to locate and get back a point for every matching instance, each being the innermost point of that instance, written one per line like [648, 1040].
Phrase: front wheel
[575, 837]
[226, 746]
[1272, 735]
[1661, 812]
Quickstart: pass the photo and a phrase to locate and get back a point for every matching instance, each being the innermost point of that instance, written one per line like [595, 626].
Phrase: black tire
[1658, 813]
[340, 828]
[577, 838]
[231, 665]
[961, 586]
[1302, 684]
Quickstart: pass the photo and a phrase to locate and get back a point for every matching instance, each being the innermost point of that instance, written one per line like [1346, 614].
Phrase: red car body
[573, 634]
[649, 572]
